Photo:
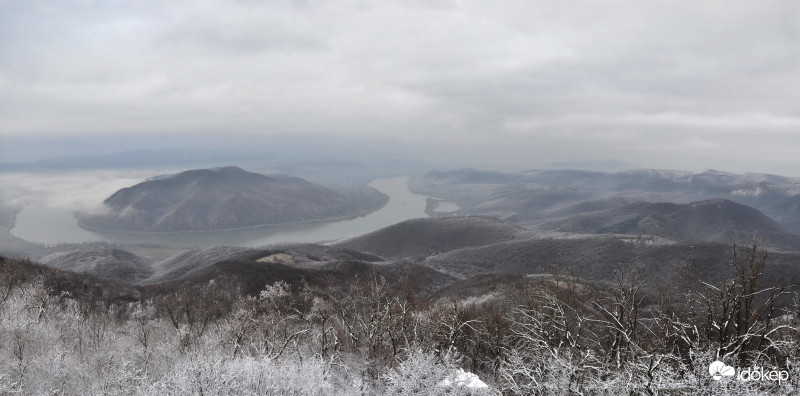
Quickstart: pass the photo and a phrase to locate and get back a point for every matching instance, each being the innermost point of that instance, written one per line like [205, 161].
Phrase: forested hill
[227, 198]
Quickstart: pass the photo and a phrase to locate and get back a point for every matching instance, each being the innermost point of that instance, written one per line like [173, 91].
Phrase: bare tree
[738, 315]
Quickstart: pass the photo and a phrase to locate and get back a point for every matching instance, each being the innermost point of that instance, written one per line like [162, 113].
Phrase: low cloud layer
[83, 191]
[674, 84]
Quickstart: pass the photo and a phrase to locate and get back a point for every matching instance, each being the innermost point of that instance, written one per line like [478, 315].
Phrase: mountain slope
[250, 276]
[598, 257]
[109, 264]
[226, 198]
[185, 263]
[709, 220]
[422, 237]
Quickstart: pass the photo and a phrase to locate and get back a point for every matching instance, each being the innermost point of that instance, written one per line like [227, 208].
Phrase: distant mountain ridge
[531, 197]
[711, 220]
[227, 198]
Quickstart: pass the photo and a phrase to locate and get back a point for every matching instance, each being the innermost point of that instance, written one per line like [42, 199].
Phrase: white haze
[81, 191]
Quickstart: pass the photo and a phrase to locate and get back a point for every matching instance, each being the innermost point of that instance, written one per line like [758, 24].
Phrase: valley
[57, 226]
[475, 242]
[530, 222]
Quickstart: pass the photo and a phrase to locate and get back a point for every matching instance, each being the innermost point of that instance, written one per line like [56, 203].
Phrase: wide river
[51, 226]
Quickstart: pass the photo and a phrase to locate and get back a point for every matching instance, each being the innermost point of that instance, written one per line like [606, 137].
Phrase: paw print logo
[719, 370]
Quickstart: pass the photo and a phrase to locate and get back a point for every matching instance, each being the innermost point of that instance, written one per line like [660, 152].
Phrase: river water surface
[51, 226]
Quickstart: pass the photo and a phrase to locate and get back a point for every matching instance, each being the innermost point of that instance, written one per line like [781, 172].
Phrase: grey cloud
[651, 80]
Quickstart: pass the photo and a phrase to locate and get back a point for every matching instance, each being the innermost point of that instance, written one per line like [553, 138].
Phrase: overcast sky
[666, 84]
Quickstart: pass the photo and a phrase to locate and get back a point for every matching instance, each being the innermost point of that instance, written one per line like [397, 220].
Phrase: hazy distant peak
[716, 202]
[662, 173]
[716, 172]
[228, 169]
[219, 174]
[768, 178]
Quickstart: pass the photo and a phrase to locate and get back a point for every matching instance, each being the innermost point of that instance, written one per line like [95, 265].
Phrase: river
[51, 226]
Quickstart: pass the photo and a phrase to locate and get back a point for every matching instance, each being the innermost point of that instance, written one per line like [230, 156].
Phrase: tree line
[545, 335]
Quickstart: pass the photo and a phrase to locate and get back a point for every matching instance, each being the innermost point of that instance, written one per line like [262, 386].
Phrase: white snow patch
[748, 192]
[463, 379]
[479, 300]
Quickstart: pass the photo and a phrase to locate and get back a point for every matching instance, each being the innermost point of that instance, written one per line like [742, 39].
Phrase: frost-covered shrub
[243, 376]
[423, 373]
[371, 337]
[419, 374]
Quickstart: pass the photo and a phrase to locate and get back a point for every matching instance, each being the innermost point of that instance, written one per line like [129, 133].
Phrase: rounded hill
[227, 198]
